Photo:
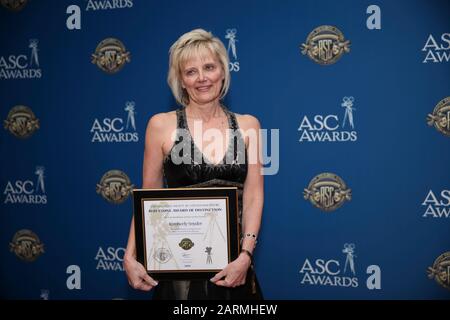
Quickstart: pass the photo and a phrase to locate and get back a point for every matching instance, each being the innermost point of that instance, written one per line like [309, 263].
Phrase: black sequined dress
[231, 171]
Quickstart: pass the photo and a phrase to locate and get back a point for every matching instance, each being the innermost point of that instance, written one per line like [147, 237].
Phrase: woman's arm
[152, 178]
[253, 198]
[253, 194]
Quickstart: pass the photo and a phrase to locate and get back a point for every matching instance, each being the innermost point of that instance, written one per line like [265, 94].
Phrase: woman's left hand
[234, 273]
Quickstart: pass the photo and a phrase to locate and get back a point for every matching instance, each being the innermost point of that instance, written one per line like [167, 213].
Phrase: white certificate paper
[186, 234]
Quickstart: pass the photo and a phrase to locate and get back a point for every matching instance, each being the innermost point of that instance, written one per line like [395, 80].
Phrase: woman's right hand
[137, 275]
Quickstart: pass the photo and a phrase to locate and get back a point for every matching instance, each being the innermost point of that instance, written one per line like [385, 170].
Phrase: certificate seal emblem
[327, 192]
[440, 271]
[162, 255]
[325, 45]
[115, 186]
[110, 55]
[186, 244]
[21, 122]
[440, 117]
[26, 245]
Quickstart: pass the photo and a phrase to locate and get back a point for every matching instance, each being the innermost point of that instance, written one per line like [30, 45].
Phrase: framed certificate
[186, 233]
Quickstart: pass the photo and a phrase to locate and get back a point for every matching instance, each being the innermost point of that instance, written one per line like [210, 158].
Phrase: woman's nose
[201, 76]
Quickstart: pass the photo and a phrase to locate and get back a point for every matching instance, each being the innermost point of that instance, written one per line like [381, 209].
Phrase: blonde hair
[190, 44]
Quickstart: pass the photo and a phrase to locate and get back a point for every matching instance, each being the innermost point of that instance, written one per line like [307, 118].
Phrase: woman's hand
[137, 276]
[234, 273]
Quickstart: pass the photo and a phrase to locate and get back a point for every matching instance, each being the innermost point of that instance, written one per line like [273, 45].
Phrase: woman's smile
[204, 88]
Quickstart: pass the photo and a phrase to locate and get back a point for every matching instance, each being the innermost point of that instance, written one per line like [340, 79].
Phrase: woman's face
[202, 77]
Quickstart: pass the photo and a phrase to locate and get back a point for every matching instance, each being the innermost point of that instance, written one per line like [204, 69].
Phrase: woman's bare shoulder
[247, 121]
[163, 120]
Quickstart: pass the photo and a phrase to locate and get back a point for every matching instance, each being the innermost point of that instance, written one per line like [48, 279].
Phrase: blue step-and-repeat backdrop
[355, 99]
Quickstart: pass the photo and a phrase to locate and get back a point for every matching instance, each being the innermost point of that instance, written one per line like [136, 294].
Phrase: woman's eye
[210, 67]
[190, 72]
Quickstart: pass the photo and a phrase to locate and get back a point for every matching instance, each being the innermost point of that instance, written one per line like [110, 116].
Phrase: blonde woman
[179, 152]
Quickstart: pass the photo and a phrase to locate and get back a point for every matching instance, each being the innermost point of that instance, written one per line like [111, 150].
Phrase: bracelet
[248, 253]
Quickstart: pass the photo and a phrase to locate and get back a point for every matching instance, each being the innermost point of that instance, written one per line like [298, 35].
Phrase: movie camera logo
[21, 122]
[21, 66]
[437, 206]
[14, 5]
[95, 5]
[329, 272]
[110, 55]
[26, 245]
[25, 191]
[113, 129]
[325, 45]
[437, 51]
[327, 128]
[440, 270]
[110, 259]
[327, 192]
[440, 118]
[115, 186]
[231, 36]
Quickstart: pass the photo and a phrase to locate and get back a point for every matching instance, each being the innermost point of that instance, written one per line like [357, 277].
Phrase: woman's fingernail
[155, 283]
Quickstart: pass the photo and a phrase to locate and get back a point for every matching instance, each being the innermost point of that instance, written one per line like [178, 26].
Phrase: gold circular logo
[186, 244]
[327, 192]
[440, 271]
[115, 186]
[440, 117]
[26, 245]
[14, 5]
[110, 55]
[21, 122]
[325, 45]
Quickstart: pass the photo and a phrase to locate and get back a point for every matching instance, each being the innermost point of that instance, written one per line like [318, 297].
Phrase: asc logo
[328, 272]
[21, 66]
[111, 259]
[95, 5]
[21, 122]
[328, 128]
[325, 45]
[14, 5]
[437, 208]
[24, 191]
[437, 51]
[440, 117]
[26, 245]
[186, 244]
[115, 186]
[113, 129]
[110, 55]
[440, 271]
[232, 50]
[327, 192]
